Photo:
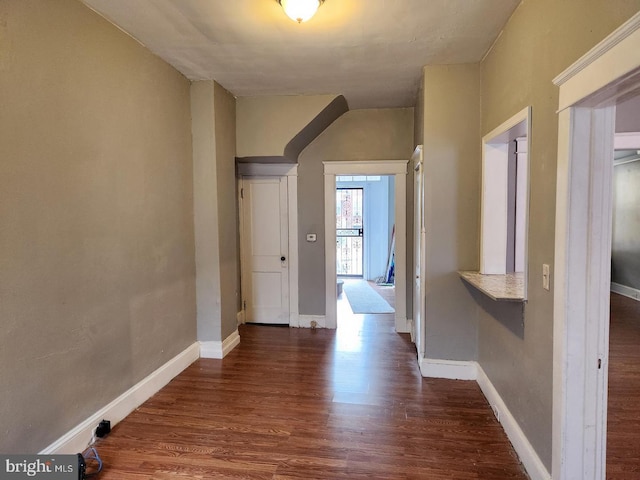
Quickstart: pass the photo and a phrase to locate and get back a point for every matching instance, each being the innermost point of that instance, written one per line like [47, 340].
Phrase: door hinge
[599, 363]
[244, 305]
[242, 193]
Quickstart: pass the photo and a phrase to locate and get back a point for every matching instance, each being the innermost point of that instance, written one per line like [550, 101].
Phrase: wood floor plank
[312, 404]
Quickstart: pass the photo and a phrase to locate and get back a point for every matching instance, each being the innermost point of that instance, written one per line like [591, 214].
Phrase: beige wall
[205, 200]
[418, 118]
[628, 115]
[381, 134]
[451, 136]
[265, 125]
[542, 38]
[97, 256]
[215, 209]
[625, 254]
[225, 132]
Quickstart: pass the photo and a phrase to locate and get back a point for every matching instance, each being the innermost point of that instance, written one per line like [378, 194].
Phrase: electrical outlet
[545, 276]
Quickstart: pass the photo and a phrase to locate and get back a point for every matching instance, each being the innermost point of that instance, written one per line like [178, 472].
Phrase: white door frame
[398, 168]
[588, 93]
[290, 171]
[418, 331]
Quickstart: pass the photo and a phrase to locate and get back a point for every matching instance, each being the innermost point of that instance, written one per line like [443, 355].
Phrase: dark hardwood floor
[623, 430]
[312, 404]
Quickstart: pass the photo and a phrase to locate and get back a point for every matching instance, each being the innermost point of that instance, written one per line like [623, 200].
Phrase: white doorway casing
[376, 167]
[418, 332]
[589, 90]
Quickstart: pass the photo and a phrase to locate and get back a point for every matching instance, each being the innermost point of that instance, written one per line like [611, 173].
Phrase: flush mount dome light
[300, 10]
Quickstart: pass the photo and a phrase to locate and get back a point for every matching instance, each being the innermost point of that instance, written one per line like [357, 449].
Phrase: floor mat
[364, 299]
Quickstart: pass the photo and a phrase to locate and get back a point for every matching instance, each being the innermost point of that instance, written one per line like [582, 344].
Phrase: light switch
[545, 276]
[311, 237]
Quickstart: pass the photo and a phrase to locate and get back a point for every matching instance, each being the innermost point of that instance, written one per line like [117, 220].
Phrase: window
[358, 178]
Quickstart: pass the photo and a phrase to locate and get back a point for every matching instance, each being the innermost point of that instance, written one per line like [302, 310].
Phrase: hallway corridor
[312, 404]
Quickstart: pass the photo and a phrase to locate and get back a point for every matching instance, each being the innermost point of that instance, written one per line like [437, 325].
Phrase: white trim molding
[211, 349]
[78, 438]
[312, 321]
[451, 369]
[368, 167]
[469, 370]
[500, 135]
[626, 29]
[495, 222]
[292, 196]
[614, 58]
[217, 349]
[412, 331]
[403, 324]
[581, 294]
[625, 291]
[589, 90]
[418, 284]
[528, 456]
[627, 141]
[231, 342]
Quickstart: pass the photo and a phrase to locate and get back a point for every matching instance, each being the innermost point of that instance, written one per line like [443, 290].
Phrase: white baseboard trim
[231, 342]
[457, 370]
[217, 349]
[305, 321]
[528, 456]
[402, 325]
[294, 321]
[240, 317]
[211, 349]
[451, 369]
[626, 291]
[78, 438]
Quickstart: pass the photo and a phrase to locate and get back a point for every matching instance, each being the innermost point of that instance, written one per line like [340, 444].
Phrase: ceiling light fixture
[300, 10]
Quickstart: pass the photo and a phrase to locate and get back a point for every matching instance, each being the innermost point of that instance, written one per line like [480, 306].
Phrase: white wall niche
[505, 197]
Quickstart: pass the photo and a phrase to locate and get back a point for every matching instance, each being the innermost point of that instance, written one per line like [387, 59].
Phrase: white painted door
[265, 264]
[419, 253]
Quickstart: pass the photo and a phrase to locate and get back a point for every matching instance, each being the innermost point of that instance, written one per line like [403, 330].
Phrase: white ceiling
[370, 51]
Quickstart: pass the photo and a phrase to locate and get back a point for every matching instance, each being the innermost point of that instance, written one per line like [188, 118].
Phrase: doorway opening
[589, 92]
[623, 436]
[365, 215]
[363, 174]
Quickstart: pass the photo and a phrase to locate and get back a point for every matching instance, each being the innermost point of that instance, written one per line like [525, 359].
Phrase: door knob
[283, 258]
